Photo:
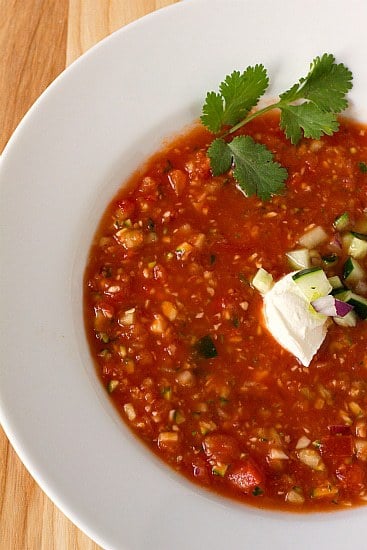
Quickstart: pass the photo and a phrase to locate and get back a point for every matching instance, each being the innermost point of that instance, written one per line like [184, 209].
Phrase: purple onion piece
[342, 308]
[330, 306]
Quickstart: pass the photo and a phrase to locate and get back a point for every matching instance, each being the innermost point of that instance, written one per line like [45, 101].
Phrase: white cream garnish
[292, 321]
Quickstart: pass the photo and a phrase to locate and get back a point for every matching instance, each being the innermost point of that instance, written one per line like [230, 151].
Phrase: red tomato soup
[178, 334]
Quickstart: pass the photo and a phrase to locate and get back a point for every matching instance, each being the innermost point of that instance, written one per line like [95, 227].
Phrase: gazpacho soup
[229, 330]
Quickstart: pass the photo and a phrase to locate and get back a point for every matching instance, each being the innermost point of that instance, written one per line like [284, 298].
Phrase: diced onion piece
[130, 411]
[277, 454]
[167, 437]
[331, 306]
[361, 449]
[169, 310]
[127, 317]
[158, 325]
[361, 428]
[325, 491]
[314, 237]
[294, 497]
[311, 458]
[303, 442]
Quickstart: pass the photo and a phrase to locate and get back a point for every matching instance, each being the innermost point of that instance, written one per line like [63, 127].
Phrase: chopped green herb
[308, 109]
[257, 491]
[106, 271]
[206, 348]
[363, 167]
[236, 322]
[150, 224]
[212, 259]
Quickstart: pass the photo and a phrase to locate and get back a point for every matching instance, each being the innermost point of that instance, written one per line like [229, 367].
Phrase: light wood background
[38, 38]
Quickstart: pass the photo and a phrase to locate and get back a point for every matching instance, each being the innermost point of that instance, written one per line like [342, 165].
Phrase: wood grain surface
[38, 39]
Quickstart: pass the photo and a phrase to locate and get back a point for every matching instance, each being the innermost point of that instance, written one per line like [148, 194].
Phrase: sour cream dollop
[292, 321]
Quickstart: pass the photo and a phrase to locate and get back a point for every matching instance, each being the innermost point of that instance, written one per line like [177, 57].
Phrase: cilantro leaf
[325, 85]
[308, 109]
[254, 168]
[308, 118]
[220, 157]
[213, 112]
[239, 92]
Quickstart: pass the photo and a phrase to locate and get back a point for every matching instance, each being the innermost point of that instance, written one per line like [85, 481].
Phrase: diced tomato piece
[336, 446]
[339, 429]
[178, 181]
[245, 476]
[221, 448]
[352, 477]
[148, 185]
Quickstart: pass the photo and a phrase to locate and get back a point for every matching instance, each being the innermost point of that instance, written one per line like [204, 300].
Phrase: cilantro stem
[308, 109]
[253, 115]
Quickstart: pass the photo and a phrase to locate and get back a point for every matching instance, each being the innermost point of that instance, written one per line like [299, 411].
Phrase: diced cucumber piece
[362, 236]
[335, 282]
[353, 272]
[343, 295]
[349, 320]
[313, 237]
[263, 281]
[341, 222]
[313, 283]
[358, 245]
[299, 259]
[360, 305]
[219, 470]
[347, 238]
[336, 291]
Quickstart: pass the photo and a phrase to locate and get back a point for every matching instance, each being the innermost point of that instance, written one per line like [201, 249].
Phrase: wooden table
[38, 38]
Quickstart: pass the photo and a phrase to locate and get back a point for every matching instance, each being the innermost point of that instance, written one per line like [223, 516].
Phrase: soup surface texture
[178, 334]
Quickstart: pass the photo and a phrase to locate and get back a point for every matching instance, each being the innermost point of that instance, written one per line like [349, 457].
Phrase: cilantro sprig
[308, 109]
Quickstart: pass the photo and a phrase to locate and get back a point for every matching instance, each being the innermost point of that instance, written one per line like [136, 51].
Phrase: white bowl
[82, 138]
